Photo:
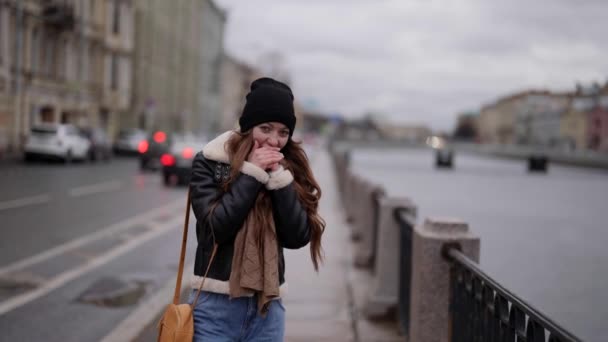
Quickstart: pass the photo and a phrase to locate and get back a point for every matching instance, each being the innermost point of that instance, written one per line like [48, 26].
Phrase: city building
[210, 96]
[597, 120]
[64, 62]
[236, 78]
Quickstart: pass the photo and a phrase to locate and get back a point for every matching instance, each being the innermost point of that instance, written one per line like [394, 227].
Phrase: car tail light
[188, 153]
[160, 137]
[167, 160]
[143, 146]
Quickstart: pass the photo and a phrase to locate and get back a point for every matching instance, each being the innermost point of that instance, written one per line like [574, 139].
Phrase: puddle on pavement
[114, 292]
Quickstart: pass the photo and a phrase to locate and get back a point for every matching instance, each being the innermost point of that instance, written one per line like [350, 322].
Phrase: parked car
[61, 141]
[128, 141]
[101, 146]
[152, 148]
[177, 162]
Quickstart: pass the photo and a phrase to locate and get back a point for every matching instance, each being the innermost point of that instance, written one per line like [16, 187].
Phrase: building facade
[573, 126]
[236, 78]
[64, 62]
[209, 120]
[178, 50]
[597, 123]
[497, 121]
[543, 117]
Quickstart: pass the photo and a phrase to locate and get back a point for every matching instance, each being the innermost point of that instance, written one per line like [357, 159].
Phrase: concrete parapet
[430, 284]
[368, 223]
[349, 199]
[357, 209]
[384, 288]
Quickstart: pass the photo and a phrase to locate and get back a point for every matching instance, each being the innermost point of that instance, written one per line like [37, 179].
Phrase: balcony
[58, 15]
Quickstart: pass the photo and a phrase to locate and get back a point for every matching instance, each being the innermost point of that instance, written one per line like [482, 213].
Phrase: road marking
[95, 188]
[112, 229]
[67, 276]
[138, 319]
[25, 201]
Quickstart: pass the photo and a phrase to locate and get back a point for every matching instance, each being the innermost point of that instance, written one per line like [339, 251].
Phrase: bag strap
[182, 257]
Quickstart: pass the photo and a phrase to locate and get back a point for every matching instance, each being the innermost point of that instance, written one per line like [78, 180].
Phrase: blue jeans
[217, 318]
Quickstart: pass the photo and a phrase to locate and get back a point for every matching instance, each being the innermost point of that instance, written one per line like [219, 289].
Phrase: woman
[253, 194]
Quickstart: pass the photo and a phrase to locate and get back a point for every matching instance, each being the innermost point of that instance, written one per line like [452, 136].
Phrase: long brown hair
[239, 146]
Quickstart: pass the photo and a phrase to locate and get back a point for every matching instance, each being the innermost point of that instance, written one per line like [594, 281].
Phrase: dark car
[101, 146]
[128, 142]
[177, 162]
[152, 148]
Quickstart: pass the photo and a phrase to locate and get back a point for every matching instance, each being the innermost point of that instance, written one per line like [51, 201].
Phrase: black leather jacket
[233, 206]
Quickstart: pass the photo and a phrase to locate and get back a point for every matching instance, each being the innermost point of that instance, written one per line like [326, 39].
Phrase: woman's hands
[266, 157]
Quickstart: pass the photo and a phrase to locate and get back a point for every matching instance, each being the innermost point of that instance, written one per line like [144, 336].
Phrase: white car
[56, 140]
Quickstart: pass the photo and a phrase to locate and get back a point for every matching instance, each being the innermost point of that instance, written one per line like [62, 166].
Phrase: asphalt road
[81, 245]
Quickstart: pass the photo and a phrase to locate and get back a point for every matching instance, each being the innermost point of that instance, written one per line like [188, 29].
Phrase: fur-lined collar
[216, 150]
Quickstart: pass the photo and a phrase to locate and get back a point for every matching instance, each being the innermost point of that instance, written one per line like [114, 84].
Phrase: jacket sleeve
[291, 218]
[232, 206]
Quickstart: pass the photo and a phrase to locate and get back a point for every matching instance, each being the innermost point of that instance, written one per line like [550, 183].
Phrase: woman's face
[271, 134]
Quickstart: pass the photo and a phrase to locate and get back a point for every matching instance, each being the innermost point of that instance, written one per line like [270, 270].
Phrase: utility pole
[18, 60]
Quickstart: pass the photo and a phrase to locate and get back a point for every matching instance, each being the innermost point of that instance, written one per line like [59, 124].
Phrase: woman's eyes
[266, 129]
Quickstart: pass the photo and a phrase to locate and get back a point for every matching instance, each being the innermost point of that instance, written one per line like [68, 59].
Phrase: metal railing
[483, 310]
[406, 220]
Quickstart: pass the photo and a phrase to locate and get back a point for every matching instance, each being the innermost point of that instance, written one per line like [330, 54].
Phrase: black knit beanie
[268, 101]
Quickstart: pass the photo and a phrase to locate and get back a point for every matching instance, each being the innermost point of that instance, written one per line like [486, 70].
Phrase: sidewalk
[323, 306]
[326, 306]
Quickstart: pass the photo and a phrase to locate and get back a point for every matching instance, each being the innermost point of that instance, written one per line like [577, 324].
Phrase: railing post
[430, 284]
[384, 286]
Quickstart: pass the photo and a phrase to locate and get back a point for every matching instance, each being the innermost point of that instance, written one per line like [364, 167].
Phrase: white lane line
[25, 201]
[95, 188]
[112, 229]
[143, 315]
[67, 276]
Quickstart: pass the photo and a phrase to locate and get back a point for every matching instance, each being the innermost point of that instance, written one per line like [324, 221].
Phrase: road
[81, 245]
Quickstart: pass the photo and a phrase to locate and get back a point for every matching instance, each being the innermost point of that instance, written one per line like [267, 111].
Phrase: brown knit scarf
[255, 266]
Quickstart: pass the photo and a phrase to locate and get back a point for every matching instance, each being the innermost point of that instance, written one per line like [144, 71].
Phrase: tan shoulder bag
[177, 322]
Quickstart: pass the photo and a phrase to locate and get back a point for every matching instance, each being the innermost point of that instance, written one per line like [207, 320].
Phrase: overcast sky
[422, 61]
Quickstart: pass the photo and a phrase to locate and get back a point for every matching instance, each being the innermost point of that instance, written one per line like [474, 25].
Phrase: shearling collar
[216, 150]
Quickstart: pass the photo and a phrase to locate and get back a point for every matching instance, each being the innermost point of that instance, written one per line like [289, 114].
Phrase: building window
[116, 18]
[114, 73]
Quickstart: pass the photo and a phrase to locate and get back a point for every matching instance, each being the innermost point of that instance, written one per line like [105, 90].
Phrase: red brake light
[188, 153]
[167, 160]
[160, 137]
[143, 146]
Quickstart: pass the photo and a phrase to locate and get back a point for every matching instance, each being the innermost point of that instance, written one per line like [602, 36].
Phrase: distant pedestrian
[253, 193]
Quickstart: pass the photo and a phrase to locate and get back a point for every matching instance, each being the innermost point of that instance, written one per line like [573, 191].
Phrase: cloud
[422, 61]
